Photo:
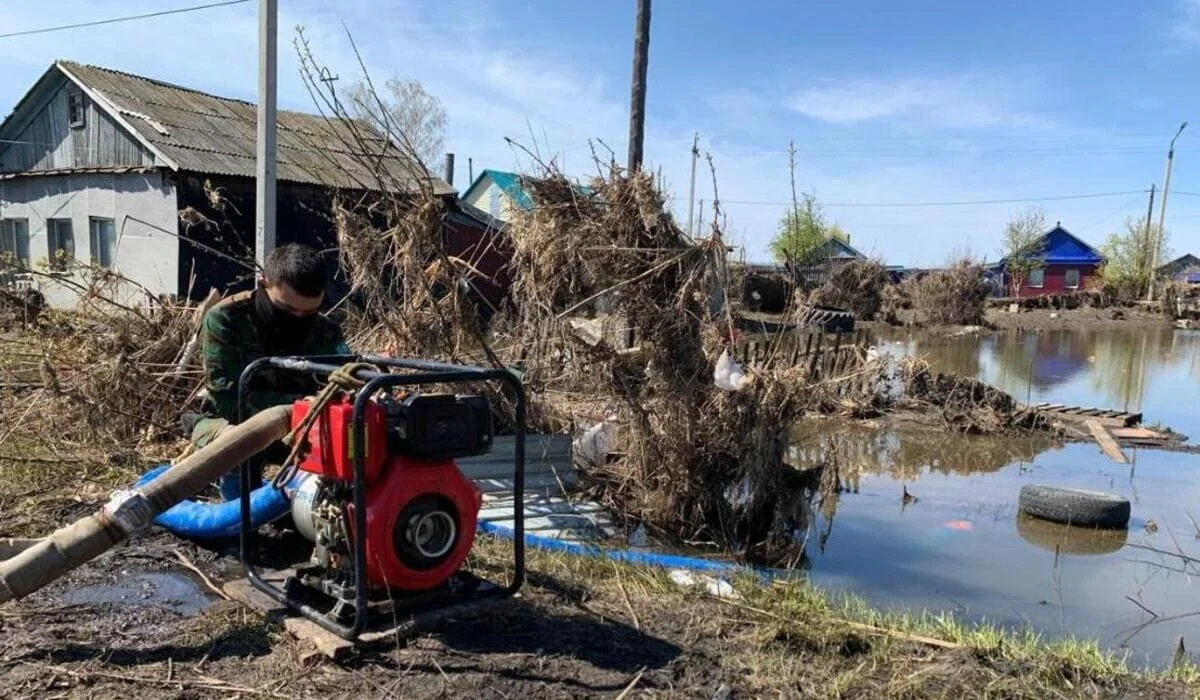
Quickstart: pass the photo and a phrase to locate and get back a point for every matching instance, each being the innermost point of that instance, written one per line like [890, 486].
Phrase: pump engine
[420, 510]
[377, 491]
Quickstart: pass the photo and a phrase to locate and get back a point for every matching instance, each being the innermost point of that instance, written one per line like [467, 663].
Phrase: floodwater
[960, 546]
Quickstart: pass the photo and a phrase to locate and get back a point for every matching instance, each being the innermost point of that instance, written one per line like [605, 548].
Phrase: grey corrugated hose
[130, 512]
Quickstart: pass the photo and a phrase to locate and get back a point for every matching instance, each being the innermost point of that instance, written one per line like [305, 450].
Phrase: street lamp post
[1162, 213]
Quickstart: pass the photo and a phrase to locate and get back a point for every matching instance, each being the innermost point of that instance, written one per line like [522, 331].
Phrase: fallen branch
[203, 577]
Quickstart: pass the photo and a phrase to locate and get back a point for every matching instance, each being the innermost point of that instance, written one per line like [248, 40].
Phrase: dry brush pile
[964, 404]
[109, 376]
[697, 463]
[857, 286]
[954, 296]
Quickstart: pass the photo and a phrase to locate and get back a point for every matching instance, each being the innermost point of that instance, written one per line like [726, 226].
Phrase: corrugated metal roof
[204, 133]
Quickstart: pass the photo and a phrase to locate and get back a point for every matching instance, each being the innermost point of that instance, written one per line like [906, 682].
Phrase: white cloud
[971, 101]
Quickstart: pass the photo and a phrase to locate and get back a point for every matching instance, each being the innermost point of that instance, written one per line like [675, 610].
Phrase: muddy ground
[139, 622]
[1076, 319]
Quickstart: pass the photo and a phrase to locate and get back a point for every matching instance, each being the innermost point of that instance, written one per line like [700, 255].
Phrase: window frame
[53, 236]
[1067, 277]
[76, 109]
[9, 241]
[95, 244]
[1041, 272]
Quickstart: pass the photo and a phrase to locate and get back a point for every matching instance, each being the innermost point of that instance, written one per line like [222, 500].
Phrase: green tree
[1130, 257]
[802, 234]
[1022, 249]
[406, 112]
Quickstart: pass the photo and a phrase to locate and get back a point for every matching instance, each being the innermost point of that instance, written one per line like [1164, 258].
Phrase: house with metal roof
[156, 181]
[836, 250]
[499, 193]
[1185, 268]
[1064, 263]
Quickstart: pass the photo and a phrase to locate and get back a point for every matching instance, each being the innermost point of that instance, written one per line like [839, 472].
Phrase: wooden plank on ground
[1106, 441]
[325, 641]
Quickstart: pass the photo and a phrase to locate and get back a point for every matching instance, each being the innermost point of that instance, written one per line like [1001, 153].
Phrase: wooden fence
[826, 355]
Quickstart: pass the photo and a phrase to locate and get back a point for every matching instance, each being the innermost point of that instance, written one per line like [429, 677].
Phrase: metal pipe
[130, 512]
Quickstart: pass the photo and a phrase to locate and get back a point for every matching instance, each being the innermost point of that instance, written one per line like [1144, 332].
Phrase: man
[281, 316]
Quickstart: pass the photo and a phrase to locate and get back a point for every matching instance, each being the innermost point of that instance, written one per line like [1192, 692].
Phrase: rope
[340, 380]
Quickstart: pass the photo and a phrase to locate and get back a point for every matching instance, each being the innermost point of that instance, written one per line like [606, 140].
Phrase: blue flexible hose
[210, 521]
[197, 520]
[665, 561]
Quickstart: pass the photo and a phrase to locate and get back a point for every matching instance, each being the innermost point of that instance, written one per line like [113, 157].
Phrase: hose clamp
[129, 511]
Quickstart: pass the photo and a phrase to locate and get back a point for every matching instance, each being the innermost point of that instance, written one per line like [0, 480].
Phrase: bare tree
[1022, 246]
[405, 107]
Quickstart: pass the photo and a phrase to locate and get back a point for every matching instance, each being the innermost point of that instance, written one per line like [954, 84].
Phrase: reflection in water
[1110, 368]
[847, 451]
[1040, 360]
[904, 453]
[1062, 539]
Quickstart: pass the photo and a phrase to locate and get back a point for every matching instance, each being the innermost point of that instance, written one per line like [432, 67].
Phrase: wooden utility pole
[692, 186]
[264, 210]
[641, 60]
[1149, 213]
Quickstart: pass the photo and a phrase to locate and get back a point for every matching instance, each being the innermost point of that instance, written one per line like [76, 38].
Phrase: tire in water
[1077, 507]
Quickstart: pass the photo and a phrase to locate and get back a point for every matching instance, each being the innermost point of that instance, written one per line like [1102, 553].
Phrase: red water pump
[377, 490]
[421, 511]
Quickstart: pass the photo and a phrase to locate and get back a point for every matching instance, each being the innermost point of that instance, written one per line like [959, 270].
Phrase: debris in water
[960, 525]
[908, 498]
[1151, 527]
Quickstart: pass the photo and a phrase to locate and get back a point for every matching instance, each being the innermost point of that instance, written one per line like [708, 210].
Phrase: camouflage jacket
[233, 336]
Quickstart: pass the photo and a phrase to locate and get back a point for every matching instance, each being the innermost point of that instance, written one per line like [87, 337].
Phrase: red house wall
[485, 250]
[1056, 280]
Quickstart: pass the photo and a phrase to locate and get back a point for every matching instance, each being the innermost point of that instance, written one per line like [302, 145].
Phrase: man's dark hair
[299, 267]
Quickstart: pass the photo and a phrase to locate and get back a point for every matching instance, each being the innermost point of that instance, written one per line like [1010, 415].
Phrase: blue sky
[887, 102]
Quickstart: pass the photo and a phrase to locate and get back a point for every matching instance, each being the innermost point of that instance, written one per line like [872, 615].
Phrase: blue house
[1066, 263]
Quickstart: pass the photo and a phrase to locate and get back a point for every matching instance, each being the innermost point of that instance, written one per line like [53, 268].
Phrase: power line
[882, 205]
[128, 18]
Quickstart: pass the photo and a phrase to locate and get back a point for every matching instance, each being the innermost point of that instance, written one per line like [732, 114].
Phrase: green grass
[792, 635]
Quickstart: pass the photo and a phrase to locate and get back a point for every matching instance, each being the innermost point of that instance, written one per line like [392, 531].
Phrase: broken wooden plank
[302, 628]
[1137, 434]
[1106, 441]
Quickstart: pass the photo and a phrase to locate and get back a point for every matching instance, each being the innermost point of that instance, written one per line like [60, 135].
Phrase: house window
[75, 109]
[1072, 280]
[103, 240]
[1037, 278]
[61, 243]
[14, 242]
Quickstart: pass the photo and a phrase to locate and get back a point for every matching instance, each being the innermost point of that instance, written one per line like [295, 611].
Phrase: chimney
[450, 168]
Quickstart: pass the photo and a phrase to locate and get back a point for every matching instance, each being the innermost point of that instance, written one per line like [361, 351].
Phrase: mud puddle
[172, 591]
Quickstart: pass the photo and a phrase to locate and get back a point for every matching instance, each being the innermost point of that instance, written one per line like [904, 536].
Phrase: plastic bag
[729, 374]
[593, 446]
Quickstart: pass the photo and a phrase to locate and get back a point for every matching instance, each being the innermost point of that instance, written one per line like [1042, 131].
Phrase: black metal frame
[422, 372]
